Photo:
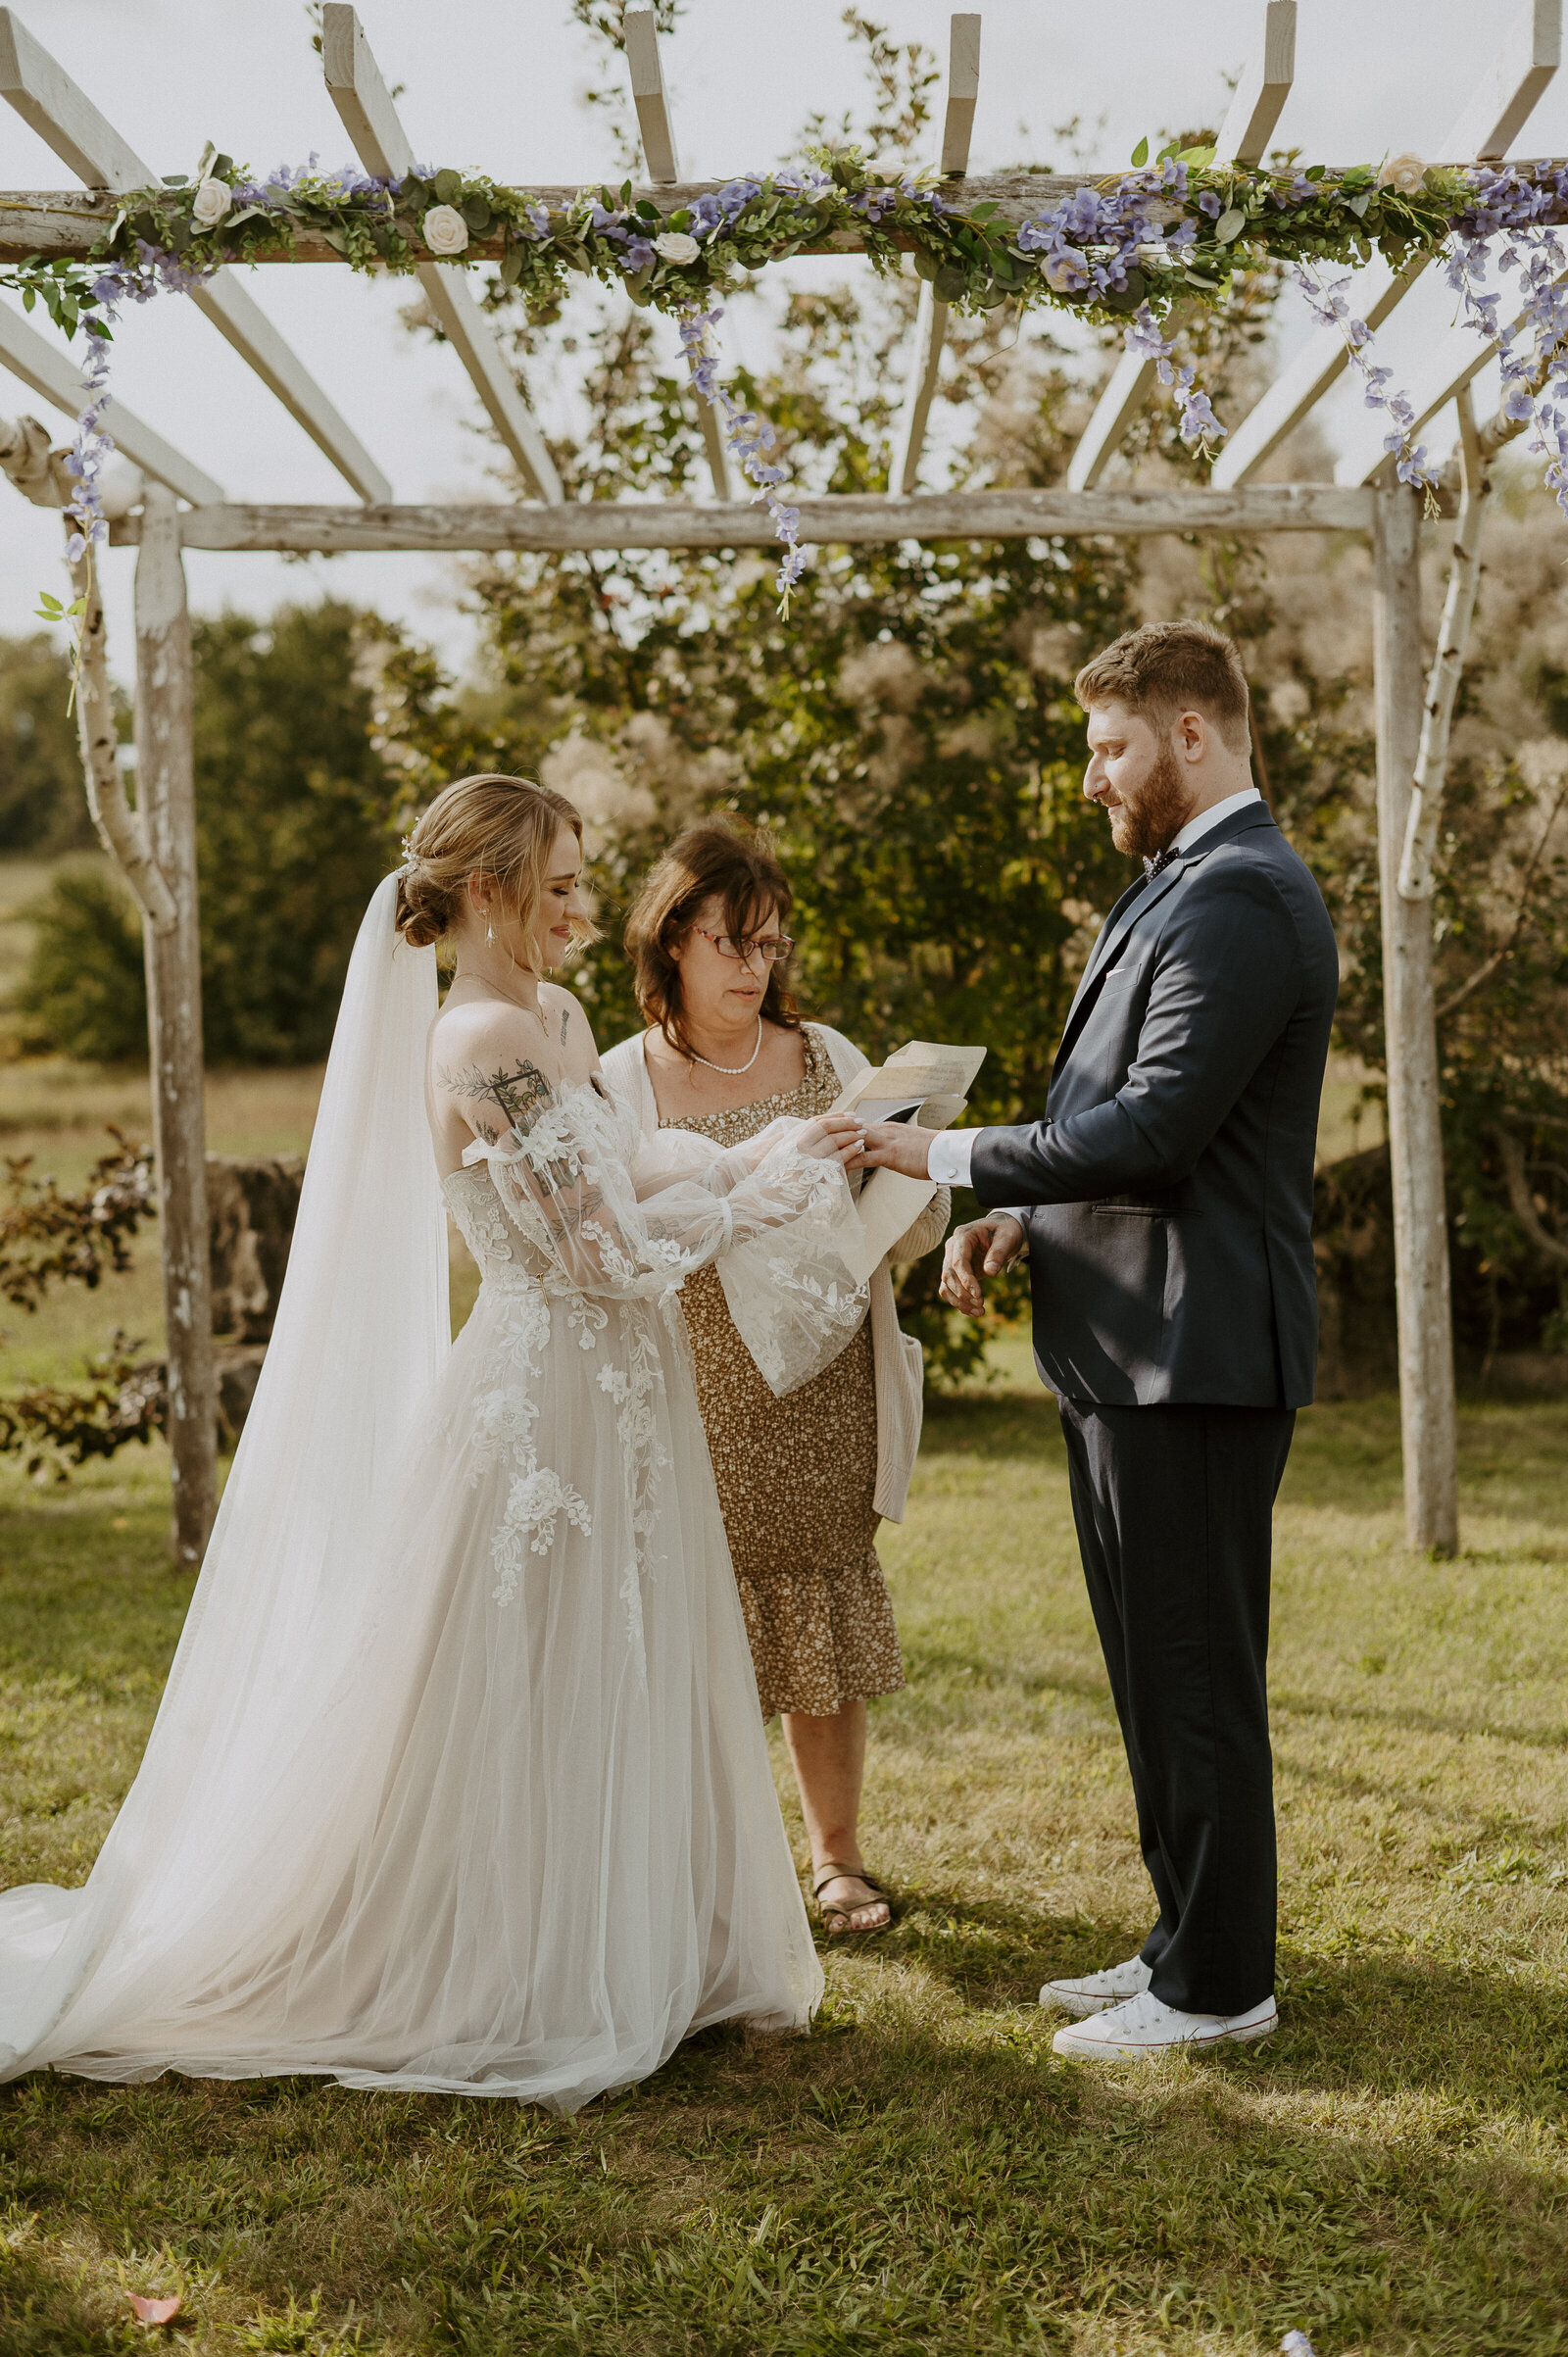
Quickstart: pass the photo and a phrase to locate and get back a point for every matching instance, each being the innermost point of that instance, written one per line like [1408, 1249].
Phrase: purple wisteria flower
[1199, 425]
[751, 437]
[1329, 309]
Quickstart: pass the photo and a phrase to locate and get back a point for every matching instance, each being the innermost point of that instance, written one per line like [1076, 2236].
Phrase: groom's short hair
[1171, 668]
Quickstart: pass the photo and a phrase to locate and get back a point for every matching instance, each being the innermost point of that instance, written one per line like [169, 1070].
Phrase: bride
[459, 1781]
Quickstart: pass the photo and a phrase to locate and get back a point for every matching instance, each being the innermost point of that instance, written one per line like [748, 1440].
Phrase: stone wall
[251, 1209]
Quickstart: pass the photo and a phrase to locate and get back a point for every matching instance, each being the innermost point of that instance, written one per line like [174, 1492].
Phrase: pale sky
[498, 87]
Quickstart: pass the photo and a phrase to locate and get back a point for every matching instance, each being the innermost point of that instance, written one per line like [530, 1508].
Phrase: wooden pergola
[179, 506]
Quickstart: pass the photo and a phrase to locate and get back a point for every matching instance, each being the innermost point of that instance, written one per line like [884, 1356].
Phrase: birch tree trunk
[167, 804]
[1415, 1136]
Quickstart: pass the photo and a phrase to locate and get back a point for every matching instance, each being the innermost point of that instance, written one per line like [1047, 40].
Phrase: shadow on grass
[863, 2189]
[1375, 2023]
[1411, 1720]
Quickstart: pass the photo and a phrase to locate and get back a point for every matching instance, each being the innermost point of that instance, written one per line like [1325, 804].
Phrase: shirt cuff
[950, 1152]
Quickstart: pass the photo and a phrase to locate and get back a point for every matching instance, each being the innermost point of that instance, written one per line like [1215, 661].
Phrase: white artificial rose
[1403, 173]
[887, 167]
[444, 229]
[213, 200]
[676, 246]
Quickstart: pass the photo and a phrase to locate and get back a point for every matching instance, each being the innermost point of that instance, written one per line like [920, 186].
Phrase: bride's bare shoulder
[491, 1062]
[571, 1034]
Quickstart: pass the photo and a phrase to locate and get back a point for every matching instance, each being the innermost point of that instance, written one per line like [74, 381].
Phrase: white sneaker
[1145, 2025]
[1096, 1991]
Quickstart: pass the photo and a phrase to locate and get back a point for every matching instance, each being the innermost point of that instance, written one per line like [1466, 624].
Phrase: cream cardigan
[899, 1369]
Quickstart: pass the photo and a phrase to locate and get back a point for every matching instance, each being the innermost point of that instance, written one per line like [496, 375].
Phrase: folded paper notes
[923, 1082]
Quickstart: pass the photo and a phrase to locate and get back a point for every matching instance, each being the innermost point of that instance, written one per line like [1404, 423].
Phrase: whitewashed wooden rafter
[364, 105]
[49, 102]
[1256, 104]
[1488, 126]
[931, 317]
[656, 129]
[47, 371]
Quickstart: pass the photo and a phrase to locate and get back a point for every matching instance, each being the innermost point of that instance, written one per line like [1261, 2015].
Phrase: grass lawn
[1390, 2173]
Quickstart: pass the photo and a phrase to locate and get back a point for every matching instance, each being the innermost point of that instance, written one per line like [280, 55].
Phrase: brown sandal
[835, 1915]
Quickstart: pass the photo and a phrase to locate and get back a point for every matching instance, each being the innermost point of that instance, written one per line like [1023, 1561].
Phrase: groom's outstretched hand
[896, 1145]
[983, 1249]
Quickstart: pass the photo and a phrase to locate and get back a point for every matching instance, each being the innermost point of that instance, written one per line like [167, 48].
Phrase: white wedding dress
[459, 1781]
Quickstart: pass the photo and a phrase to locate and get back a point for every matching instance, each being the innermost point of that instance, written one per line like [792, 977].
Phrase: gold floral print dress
[796, 1476]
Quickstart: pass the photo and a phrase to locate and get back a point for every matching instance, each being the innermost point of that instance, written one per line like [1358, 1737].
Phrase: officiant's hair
[501, 827]
[1171, 668]
[712, 859]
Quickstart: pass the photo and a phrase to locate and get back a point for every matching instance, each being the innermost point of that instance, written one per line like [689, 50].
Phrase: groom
[1165, 1202]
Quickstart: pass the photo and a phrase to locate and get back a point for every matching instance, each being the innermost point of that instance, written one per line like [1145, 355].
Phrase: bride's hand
[836, 1134]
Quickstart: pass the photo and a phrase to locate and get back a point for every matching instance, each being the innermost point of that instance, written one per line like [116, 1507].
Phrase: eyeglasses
[775, 947]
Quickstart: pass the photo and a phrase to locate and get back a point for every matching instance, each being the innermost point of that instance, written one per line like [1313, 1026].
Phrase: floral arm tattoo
[566, 1194]
[520, 1095]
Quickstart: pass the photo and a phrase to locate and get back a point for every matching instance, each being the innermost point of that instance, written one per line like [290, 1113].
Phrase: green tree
[289, 792]
[85, 992]
[42, 806]
[290, 805]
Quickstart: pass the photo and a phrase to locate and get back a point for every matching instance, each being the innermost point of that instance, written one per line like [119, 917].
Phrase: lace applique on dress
[613, 1248]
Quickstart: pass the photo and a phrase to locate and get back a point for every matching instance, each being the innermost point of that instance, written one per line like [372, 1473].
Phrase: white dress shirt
[952, 1149]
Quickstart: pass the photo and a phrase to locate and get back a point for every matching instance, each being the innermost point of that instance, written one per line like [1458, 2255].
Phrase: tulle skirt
[496, 1820]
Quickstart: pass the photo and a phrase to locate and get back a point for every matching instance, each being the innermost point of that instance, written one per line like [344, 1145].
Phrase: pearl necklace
[733, 1071]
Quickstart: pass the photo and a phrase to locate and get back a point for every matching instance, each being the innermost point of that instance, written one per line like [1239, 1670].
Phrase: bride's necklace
[733, 1071]
[463, 974]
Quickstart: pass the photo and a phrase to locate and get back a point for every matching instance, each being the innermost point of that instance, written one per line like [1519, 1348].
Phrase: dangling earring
[489, 934]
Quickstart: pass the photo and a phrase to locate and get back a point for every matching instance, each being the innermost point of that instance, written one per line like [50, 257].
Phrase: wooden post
[1415, 1136]
[167, 802]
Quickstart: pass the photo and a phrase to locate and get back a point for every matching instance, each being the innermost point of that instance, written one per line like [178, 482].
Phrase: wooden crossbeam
[1256, 106]
[66, 224]
[931, 317]
[843, 519]
[47, 371]
[371, 118]
[66, 118]
[640, 27]
[1487, 127]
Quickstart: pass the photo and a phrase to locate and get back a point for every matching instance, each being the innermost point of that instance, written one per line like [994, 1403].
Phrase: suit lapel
[1135, 903]
[1142, 896]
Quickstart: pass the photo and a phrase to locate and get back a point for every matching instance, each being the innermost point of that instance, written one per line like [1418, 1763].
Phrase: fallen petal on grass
[153, 2312]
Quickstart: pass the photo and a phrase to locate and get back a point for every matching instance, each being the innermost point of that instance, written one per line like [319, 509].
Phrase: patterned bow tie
[1158, 863]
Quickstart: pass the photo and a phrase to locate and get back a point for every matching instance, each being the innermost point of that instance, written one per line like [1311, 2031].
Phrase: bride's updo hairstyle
[503, 829]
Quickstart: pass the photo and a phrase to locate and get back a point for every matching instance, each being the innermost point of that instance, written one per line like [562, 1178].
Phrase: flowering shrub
[46, 1238]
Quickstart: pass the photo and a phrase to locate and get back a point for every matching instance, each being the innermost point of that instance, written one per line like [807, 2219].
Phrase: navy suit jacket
[1167, 1193]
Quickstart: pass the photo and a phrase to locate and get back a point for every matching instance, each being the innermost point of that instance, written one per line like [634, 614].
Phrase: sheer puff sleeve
[617, 1217]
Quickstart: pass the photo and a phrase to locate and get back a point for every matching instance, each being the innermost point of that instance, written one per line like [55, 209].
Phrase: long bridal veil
[289, 1582]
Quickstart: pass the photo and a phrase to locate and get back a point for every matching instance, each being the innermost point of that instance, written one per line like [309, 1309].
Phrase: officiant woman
[803, 1480]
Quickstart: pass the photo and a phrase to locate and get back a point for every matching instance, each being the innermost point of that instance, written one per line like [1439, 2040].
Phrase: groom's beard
[1152, 821]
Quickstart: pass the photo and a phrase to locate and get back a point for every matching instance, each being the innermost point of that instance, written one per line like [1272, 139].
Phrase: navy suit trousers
[1174, 1507]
